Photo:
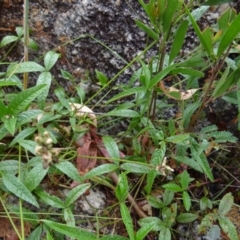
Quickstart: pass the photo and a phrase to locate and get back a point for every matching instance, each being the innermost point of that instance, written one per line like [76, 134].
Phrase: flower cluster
[44, 149]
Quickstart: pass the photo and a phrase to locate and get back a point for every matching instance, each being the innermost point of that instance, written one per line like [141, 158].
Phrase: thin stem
[26, 40]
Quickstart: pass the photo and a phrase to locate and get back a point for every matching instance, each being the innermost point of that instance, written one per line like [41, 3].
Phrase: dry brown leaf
[86, 155]
[182, 95]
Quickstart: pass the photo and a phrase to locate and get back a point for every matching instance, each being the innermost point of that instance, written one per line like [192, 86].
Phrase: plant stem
[26, 40]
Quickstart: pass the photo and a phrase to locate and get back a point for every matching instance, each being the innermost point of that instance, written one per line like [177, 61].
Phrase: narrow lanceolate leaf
[35, 176]
[178, 40]
[69, 217]
[135, 168]
[121, 190]
[112, 147]
[23, 134]
[147, 30]
[28, 145]
[161, 75]
[127, 220]
[113, 237]
[50, 59]
[3, 109]
[123, 113]
[75, 193]
[14, 185]
[126, 93]
[186, 201]
[226, 82]
[186, 217]
[177, 138]
[50, 199]
[73, 232]
[225, 204]
[199, 34]
[97, 171]
[44, 78]
[229, 35]
[216, 2]
[69, 169]
[24, 98]
[26, 67]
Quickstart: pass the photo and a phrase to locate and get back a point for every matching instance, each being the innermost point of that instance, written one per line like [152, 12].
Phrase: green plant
[57, 143]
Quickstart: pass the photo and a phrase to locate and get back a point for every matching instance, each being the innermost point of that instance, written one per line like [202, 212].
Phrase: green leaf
[143, 231]
[157, 223]
[203, 162]
[27, 116]
[188, 112]
[75, 193]
[127, 220]
[186, 217]
[230, 34]
[69, 169]
[24, 98]
[99, 170]
[168, 15]
[36, 234]
[178, 40]
[205, 203]
[19, 31]
[186, 200]
[216, 2]
[185, 179]
[190, 162]
[28, 145]
[50, 59]
[14, 185]
[123, 113]
[158, 156]
[113, 237]
[147, 30]
[161, 75]
[10, 123]
[199, 34]
[155, 202]
[25, 67]
[50, 200]
[187, 71]
[177, 138]
[151, 175]
[23, 134]
[8, 39]
[172, 187]
[3, 109]
[121, 189]
[35, 176]
[126, 93]
[165, 234]
[9, 165]
[102, 78]
[226, 82]
[228, 227]
[69, 217]
[73, 232]
[225, 204]
[112, 148]
[167, 197]
[135, 167]
[44, 78]
[33, 45]
[66, 75]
